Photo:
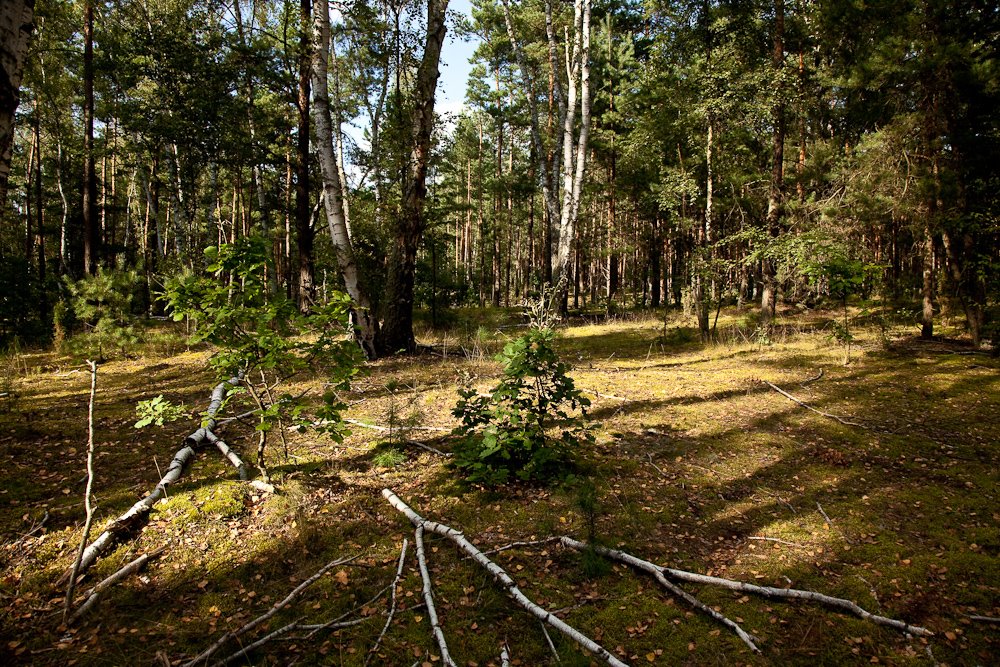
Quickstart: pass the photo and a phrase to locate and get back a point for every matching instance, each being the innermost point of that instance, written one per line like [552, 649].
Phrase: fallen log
[742, 587]
[504, 579]
[136, 515]
[94, 594]
[845, 422]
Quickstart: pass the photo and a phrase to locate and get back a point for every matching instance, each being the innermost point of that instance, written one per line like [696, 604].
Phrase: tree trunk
[397, 328]
[366, 326]
[91, 231]
[303, 228]
[769, 293]
[16, 24]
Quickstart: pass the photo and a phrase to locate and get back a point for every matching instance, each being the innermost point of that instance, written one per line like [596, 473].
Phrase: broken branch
[504, 579]
[809, 407]
[657, 573]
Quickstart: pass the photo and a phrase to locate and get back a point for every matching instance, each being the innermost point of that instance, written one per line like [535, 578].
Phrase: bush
[505, 432]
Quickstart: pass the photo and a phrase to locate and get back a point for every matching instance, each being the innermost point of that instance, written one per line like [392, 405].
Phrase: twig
[505, 655]
[516, 545]
[611, 396]
[429, 598]
[549, 640]
[392, 604]
[812, 379]
[809, 407]
[386, 429]
[504, 579]
[825, 517]
[246, 650]
[657, 573]
[95, 593]
[426, 447]
[71, 585]
[983, 619]
[233, 634]
[658, 469]
[775, 539]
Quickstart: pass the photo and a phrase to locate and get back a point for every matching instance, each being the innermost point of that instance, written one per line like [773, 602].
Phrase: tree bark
[397, 328]
[91, 231]
[304, 232]
[769, 293]
[366, 326]
[16, 24]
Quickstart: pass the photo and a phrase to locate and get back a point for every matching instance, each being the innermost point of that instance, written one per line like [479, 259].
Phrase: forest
[676, 343]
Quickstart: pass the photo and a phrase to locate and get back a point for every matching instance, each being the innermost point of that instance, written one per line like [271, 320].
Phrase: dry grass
[694, 457]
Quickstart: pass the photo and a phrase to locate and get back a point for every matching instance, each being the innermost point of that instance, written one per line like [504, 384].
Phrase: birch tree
[561, 179]
[16, 24]
[363, 319]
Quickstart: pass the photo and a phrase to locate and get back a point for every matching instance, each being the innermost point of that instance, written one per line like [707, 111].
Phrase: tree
[16, 25]
[397, 325]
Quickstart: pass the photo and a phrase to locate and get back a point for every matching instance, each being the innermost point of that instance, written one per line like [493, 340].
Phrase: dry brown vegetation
[698, 465]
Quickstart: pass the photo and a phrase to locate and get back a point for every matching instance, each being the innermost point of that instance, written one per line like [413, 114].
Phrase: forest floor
[698, 465]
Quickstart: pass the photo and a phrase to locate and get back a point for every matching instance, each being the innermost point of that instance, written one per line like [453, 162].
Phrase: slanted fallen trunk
[94, 594]
[137, 515]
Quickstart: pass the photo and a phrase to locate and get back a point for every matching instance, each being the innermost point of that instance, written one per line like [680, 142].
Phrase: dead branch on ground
[504, 579]
[204, 656]
[136, 515]
[809, 407]
[94, 594]
[71, 585]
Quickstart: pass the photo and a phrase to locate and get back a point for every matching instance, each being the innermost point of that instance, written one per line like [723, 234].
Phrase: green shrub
[505, 433]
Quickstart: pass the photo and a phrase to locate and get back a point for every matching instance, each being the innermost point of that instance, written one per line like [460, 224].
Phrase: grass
[694, 457]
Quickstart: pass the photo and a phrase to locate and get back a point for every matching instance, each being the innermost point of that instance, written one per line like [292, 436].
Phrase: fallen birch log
[809, 407]
[428, 592]
[765, 591]
[504, 579]
[94, 594]
[657, 573]
[138, 513]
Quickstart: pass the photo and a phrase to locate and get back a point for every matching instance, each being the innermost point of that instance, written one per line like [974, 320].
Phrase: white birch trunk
[333, 187]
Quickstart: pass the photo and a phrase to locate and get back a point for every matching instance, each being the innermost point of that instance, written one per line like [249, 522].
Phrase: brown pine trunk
[304, 233]
[769, 292]
[91, 231]
[397, 327]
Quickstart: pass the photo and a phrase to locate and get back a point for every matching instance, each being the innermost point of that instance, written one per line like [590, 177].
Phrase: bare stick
[548, 639]
[516, 545]
[425, 446]
[657, 573]
[230, 455]
[505, 655]
[776, 540]
[504, 579]
[86, 498]
[825, 517]
[658, 469]
[246, 650]
[796, 594]
[335, 623]
[233, 634]
[137, 514]
[386, 429]
[983, 619]
[429, 598]
[809, 407]
[95, 593]
[812, 379]
[392, 604]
